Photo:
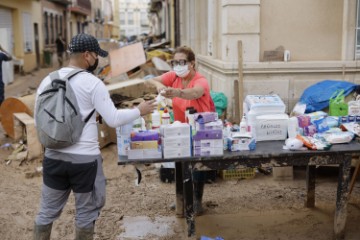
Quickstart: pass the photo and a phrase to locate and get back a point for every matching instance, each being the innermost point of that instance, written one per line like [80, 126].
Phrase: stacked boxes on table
[208, 139]
[144, 145]
[266, 117]
[176, 140]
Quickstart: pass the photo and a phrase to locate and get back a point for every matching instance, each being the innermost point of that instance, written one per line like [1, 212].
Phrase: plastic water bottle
[165, 117]
[156, 120]
[243, 125]
[191, 119]
[293, 127]
[123, 140]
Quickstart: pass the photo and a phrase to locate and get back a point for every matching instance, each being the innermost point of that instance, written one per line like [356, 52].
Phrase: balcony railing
[62, 2]
[81, 6]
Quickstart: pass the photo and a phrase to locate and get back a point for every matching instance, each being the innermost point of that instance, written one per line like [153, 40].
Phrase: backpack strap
[73, 73]
[55, 75]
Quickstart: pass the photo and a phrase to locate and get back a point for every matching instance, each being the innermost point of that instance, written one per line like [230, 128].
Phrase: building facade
[133, 17]
[320, 37]
[20, 22]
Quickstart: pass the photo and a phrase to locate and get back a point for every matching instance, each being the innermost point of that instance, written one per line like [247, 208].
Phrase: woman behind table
[185, 85]
[187, 88]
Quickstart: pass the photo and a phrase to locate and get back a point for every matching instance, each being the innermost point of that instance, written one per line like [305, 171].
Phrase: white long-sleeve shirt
[91, 94]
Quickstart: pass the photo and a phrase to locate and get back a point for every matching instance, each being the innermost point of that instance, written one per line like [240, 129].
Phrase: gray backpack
[57, 116]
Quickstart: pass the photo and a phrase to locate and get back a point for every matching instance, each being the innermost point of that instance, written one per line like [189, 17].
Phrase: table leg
[342, 198]
[310, 186]
[189, 199]
[179, 189]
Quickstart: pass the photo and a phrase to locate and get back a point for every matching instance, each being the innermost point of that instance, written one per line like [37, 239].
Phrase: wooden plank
[15, 105]
[25, 128]
[240, 86]
[126, 58]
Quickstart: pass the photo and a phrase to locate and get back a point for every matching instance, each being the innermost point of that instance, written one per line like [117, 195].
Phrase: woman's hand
[160, 89]
[172, 92]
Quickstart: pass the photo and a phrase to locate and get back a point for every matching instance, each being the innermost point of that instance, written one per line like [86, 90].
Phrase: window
[130, 18]
[28, 32]
[51, 28]
[46, 28]
[56, 26]
[144, 19]
[60, 25]
[122, 18]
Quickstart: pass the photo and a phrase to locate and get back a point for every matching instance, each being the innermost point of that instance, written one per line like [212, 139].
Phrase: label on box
[271, 127]
[144, 145]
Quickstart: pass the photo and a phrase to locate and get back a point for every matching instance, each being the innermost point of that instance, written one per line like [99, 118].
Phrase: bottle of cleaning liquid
[165, 117]
[155, 119]
[243, 125]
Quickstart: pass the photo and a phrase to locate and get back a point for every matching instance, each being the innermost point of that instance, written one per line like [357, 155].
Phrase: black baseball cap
[85, 42]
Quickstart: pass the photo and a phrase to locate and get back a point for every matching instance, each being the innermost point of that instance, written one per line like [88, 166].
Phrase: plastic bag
[316, 97]
[220, 101]
[338, 106]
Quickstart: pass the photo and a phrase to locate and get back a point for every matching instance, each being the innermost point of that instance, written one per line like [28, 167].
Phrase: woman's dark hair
[187, 51]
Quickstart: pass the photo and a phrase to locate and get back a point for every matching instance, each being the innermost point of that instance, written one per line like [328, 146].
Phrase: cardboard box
[240, 144]
[173, 142]
[265, 104]
[144, 154]
[144, 145]
[176, 152]
[208, 151]
[209, 126]
[209, 143]
[271, 127]
[175, 130]
[208, 134]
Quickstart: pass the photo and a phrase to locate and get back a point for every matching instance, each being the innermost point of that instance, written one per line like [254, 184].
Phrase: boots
[42, 232]
[84, 233]
[198, 194]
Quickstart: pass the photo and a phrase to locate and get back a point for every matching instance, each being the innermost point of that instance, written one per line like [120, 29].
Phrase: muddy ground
[258, 208]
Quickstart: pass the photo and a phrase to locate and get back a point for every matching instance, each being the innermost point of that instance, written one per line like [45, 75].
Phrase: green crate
[243, 173]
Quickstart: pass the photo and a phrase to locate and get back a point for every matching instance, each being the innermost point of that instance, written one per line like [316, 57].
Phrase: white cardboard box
[209, 143]
[209, 151]
[265, 104]
[174, 142]
[144, 154]
[175, 130]
[178, 152]
[271, 127]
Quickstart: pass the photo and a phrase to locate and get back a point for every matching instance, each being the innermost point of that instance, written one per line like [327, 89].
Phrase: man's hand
[147, 107]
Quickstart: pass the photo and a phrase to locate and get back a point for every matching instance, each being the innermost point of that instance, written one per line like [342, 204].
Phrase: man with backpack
[75, 164]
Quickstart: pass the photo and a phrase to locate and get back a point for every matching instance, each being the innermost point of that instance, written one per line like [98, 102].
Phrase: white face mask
[181, 71]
